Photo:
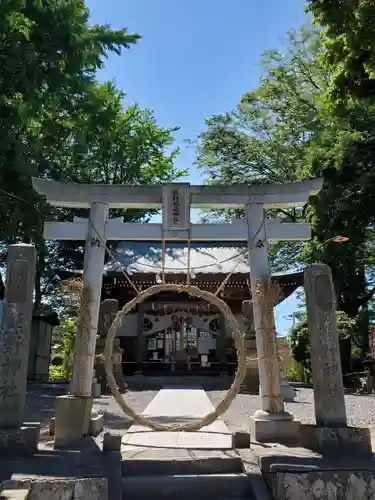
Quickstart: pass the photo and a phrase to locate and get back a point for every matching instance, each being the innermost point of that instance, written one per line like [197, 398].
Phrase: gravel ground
[40, 404]
[360, 409]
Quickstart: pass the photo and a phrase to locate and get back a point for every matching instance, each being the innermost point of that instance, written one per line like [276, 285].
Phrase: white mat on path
[175, 405]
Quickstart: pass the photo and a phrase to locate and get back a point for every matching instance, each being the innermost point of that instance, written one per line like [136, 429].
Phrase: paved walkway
[173, 405]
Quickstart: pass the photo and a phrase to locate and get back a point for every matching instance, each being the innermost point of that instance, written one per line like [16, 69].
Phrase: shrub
[56, 373]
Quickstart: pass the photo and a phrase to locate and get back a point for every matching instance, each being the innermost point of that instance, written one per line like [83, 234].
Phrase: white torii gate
[176, 201]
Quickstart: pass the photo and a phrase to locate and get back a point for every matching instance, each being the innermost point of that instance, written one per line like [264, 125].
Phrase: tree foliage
[299, 336]
[350, 47]
[285, 130]
[58, 122]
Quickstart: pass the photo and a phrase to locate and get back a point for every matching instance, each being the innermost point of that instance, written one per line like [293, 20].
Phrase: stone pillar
[250, 384]
[14, 351]
[84, 348]
[325, 350]
[331, 433]
[141, 340]
[43, 354]
[73, 411]
[40, 346]
[271, 423]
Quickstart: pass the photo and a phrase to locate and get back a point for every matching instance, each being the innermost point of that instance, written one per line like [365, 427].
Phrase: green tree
[350, 47]
[58, 122]
[285, 131]
[48, 55]
[113, 146]
[299, 336]
[266, 138]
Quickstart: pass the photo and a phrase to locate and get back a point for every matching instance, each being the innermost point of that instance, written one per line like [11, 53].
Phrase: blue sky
[195, 59]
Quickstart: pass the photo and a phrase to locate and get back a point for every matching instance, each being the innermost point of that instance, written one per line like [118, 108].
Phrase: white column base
[279, 427]
[288, 391]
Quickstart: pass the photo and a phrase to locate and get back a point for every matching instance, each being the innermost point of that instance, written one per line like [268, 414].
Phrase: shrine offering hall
[174, 332]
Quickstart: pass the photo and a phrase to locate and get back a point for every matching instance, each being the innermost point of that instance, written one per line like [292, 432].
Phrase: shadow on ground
[207, 382]
[40, 401]
[88, 461]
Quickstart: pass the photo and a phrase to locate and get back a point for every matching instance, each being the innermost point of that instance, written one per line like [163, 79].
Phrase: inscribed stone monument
[14, 352]
[325, 350]
[15, 333]
[331, 432]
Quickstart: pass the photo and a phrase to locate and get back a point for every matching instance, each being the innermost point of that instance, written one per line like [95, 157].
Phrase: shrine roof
[205, 259]
[210, 264]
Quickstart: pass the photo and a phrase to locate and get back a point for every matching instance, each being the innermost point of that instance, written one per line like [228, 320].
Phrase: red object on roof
[340, 239]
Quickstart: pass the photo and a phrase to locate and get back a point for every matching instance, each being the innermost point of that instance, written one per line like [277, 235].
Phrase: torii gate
[176, 201]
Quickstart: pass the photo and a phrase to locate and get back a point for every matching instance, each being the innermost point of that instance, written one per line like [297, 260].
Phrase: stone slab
[258, 484]
[180, 461]
[324, 439]
[187, 486]
[14, 494]
[66, 489]
[173, 405]
[323, 485]
[284, 459]
[22, 441]
[63, 465]
[295, 473]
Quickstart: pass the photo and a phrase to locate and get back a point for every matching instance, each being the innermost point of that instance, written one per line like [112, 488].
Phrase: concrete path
[179, 406]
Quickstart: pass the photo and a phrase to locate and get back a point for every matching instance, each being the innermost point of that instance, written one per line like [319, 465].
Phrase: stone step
[181, 487]
[180, 462]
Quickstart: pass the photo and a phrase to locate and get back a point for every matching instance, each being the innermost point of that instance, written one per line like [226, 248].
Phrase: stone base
[96, 390]
[296, 474]
[288, 392]
[112, 442]
[240, 440]
[275, 428]
[20, 441]
[96, 425]
[336, 439]
[72, 419]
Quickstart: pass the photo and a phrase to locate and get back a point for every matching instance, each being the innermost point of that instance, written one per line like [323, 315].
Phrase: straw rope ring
[193, 291]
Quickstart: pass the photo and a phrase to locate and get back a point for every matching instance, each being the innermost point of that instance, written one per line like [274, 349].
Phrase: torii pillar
[271, 423]
[73, 411]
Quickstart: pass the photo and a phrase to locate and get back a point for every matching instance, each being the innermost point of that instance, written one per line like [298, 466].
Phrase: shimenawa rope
[194, 292]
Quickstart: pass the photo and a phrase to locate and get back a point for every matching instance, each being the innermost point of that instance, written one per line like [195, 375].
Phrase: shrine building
[175, 332]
